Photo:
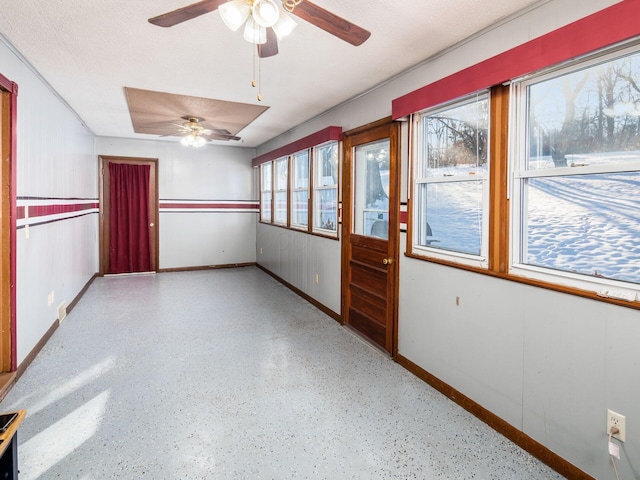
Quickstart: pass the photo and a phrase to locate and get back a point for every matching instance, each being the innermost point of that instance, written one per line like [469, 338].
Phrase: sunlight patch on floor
[80, 380]
[53, 444]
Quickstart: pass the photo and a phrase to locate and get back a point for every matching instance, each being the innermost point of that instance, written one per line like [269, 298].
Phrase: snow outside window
[325, 189]
[280, 181]
[300, 190]
[576, 175]
[265, 192]
[451, 182]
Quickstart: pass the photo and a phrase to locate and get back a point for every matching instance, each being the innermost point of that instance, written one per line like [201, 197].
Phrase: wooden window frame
[499, 254]
[292, 190]
[262, 192]
[418, 179]
[333, 234]
[286, 160]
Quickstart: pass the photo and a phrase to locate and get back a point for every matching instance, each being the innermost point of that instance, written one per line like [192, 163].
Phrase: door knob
[387, 261]
[151, 225]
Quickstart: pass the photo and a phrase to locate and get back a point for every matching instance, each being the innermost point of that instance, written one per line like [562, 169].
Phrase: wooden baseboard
[337, 317]
[45, 338]
[36, 350]
[7, 381]
[75, 301]
[206, 267]
[536, 449]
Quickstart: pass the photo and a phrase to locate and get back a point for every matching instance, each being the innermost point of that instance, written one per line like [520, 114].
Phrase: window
[281, 179]
[300, 190]
[265, 192]
[325, 189]
[451, 182]
[576, 199]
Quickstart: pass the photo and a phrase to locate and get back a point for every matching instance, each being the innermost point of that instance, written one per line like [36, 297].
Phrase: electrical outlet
[615, 420]
[317, 279]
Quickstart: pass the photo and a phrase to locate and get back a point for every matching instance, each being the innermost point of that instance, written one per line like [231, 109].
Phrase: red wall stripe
[318, 138]
[56, 209]
[607, 27]
[221, 206]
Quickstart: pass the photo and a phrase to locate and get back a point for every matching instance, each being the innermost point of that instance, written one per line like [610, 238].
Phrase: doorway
[370, 227]
[129, 215]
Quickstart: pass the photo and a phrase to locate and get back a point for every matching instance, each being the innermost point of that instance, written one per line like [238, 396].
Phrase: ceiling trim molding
[601, 29]
[317, 138]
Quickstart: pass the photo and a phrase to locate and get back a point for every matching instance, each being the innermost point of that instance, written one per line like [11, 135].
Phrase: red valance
[601, 29]
[318, 138]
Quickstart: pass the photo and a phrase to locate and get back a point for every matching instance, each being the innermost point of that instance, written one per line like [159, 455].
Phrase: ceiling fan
[195, 135]
[265, 22]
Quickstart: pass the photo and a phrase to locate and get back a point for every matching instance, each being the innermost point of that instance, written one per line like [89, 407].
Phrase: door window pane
[371, 195]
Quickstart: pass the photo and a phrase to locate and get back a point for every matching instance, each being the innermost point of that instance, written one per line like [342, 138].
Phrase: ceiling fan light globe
[265, 13]
[284, 26]
[234, 13]
[254, 33]
[199, 142]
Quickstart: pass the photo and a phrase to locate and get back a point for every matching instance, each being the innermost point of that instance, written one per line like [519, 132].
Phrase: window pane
[266, 207]
[371, 189]
[266, 176]
[300, 208]
[455, 140]
[301, 170]
[326, 172]
[325, 210]
[450, 216]
[325, 195]
[281, 174]
[587, 117]
[587, 224]
[280, 208]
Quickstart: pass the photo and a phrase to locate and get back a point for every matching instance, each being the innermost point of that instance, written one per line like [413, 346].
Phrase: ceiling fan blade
[215, 136]
[270, 48]
[186, 13]
[329, 22]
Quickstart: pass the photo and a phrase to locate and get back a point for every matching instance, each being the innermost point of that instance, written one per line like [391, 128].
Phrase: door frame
[9, 211]
[384, 128]
[104, 197]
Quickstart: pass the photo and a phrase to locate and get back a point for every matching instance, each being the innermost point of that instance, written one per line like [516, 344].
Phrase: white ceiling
[89, 51]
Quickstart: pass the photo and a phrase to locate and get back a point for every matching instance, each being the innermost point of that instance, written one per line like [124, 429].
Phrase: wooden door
[105, 184]
[370, 232]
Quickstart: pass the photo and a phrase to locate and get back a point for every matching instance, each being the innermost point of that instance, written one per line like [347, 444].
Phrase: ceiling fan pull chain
[259, 80]
[253, 82]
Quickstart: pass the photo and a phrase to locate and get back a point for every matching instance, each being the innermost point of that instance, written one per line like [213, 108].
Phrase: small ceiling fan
[265, 22]
[195, 135]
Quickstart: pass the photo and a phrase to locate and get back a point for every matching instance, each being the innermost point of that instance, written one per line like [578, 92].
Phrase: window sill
[530, 281]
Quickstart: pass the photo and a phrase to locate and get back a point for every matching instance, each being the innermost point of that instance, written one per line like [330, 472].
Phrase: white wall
[212, 173]
[55, 160]
[548, 363]
[298, 257]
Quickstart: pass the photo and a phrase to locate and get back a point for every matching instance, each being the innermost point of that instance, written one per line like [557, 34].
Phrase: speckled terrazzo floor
[229, 375]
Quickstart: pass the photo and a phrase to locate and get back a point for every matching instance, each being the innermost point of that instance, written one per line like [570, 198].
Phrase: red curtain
[130, 247]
